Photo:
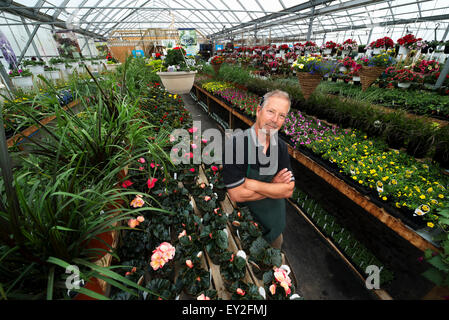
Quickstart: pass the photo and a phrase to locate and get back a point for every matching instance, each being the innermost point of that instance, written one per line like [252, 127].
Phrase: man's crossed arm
[280, 187]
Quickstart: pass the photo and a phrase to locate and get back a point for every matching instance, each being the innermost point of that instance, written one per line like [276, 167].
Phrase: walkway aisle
[321, 274]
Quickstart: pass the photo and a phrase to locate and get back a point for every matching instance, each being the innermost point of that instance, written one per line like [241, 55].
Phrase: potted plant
[263, 257]
[310, 47]
[329, 47]
[193, 277]
[21, 78]
[52, 73]
[57, 63]
[35, 66]
[216, 63]
[446, 47]
[405, 77]
[373, 67]
[179, 78]
[246, 291]
[162, 289]
[278, 284]
[381, 44]
[233, 268]
[310, 71]
[215, 243]
[348, 46]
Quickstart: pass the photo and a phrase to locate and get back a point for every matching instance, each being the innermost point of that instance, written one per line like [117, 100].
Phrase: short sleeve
[233, 173]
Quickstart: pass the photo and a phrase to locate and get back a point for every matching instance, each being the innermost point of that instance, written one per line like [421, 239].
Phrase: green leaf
[51, 280]
[434, 275]
[438, 263]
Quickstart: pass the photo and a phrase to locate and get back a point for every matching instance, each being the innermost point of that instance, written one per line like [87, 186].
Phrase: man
[258, 172]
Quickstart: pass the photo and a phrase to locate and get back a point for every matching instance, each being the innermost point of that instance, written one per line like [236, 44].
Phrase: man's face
[271, 117]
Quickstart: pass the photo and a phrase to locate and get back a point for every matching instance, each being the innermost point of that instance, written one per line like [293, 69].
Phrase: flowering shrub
[217, 60]
[406, 75]
[313, 65]
[349, 44]
[284, 47]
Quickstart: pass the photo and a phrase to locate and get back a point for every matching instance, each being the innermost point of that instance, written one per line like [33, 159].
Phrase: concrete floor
[320, 272]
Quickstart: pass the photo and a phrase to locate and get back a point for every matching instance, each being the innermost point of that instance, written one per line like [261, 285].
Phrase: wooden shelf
[33, 129]
[350, 192]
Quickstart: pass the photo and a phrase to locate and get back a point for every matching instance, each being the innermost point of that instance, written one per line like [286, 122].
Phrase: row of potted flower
[397, 177]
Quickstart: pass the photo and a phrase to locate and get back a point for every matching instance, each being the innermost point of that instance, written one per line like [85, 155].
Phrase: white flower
[241, 254]
[295, 296]
[200, 254]
[262, 292]
[286, 268]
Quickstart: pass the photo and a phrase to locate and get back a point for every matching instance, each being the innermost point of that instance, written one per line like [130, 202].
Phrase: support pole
[32, 41]
[27, 45]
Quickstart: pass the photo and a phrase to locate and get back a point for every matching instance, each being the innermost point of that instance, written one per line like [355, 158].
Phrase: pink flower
[132, 223]
[240, 292]
[203, 297]
[192, 130]
[137, 202]
[141, 168]
[194, 146]
[152, 165]
[151, 182]
[157, 260]
[214, 168]
[127, 184]
[207, 198]
[140, 219]
[192, 169]
[182, 234]
[189, 263]
[204, 140]
[141, 160]
[175, 150]
[272, 289]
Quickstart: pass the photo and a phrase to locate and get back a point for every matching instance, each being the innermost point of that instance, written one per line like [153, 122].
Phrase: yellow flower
[440, 196]
[430, 224]
[384, 198]
[422, 196]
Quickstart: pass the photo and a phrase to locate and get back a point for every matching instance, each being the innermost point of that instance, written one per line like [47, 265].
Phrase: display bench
[30, 131]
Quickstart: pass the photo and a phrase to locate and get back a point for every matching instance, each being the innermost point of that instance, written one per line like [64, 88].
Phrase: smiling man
[257, 170]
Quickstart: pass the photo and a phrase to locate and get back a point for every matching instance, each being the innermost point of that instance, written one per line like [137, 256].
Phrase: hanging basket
[369, 74]
[216, 68]
[308, 83]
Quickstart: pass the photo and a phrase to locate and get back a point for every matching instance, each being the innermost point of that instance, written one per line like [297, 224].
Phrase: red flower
[151, 182]
[127, 184]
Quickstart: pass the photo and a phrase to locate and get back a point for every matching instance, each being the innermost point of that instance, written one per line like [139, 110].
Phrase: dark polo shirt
[234, 173]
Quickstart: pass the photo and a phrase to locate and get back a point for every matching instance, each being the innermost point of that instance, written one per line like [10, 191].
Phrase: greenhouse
[224, 150]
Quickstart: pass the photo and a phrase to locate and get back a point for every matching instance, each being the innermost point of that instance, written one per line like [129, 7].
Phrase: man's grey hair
[276, 93]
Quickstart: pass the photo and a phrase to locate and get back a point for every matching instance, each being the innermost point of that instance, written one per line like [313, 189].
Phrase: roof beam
[296, 9]
[29, 13]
